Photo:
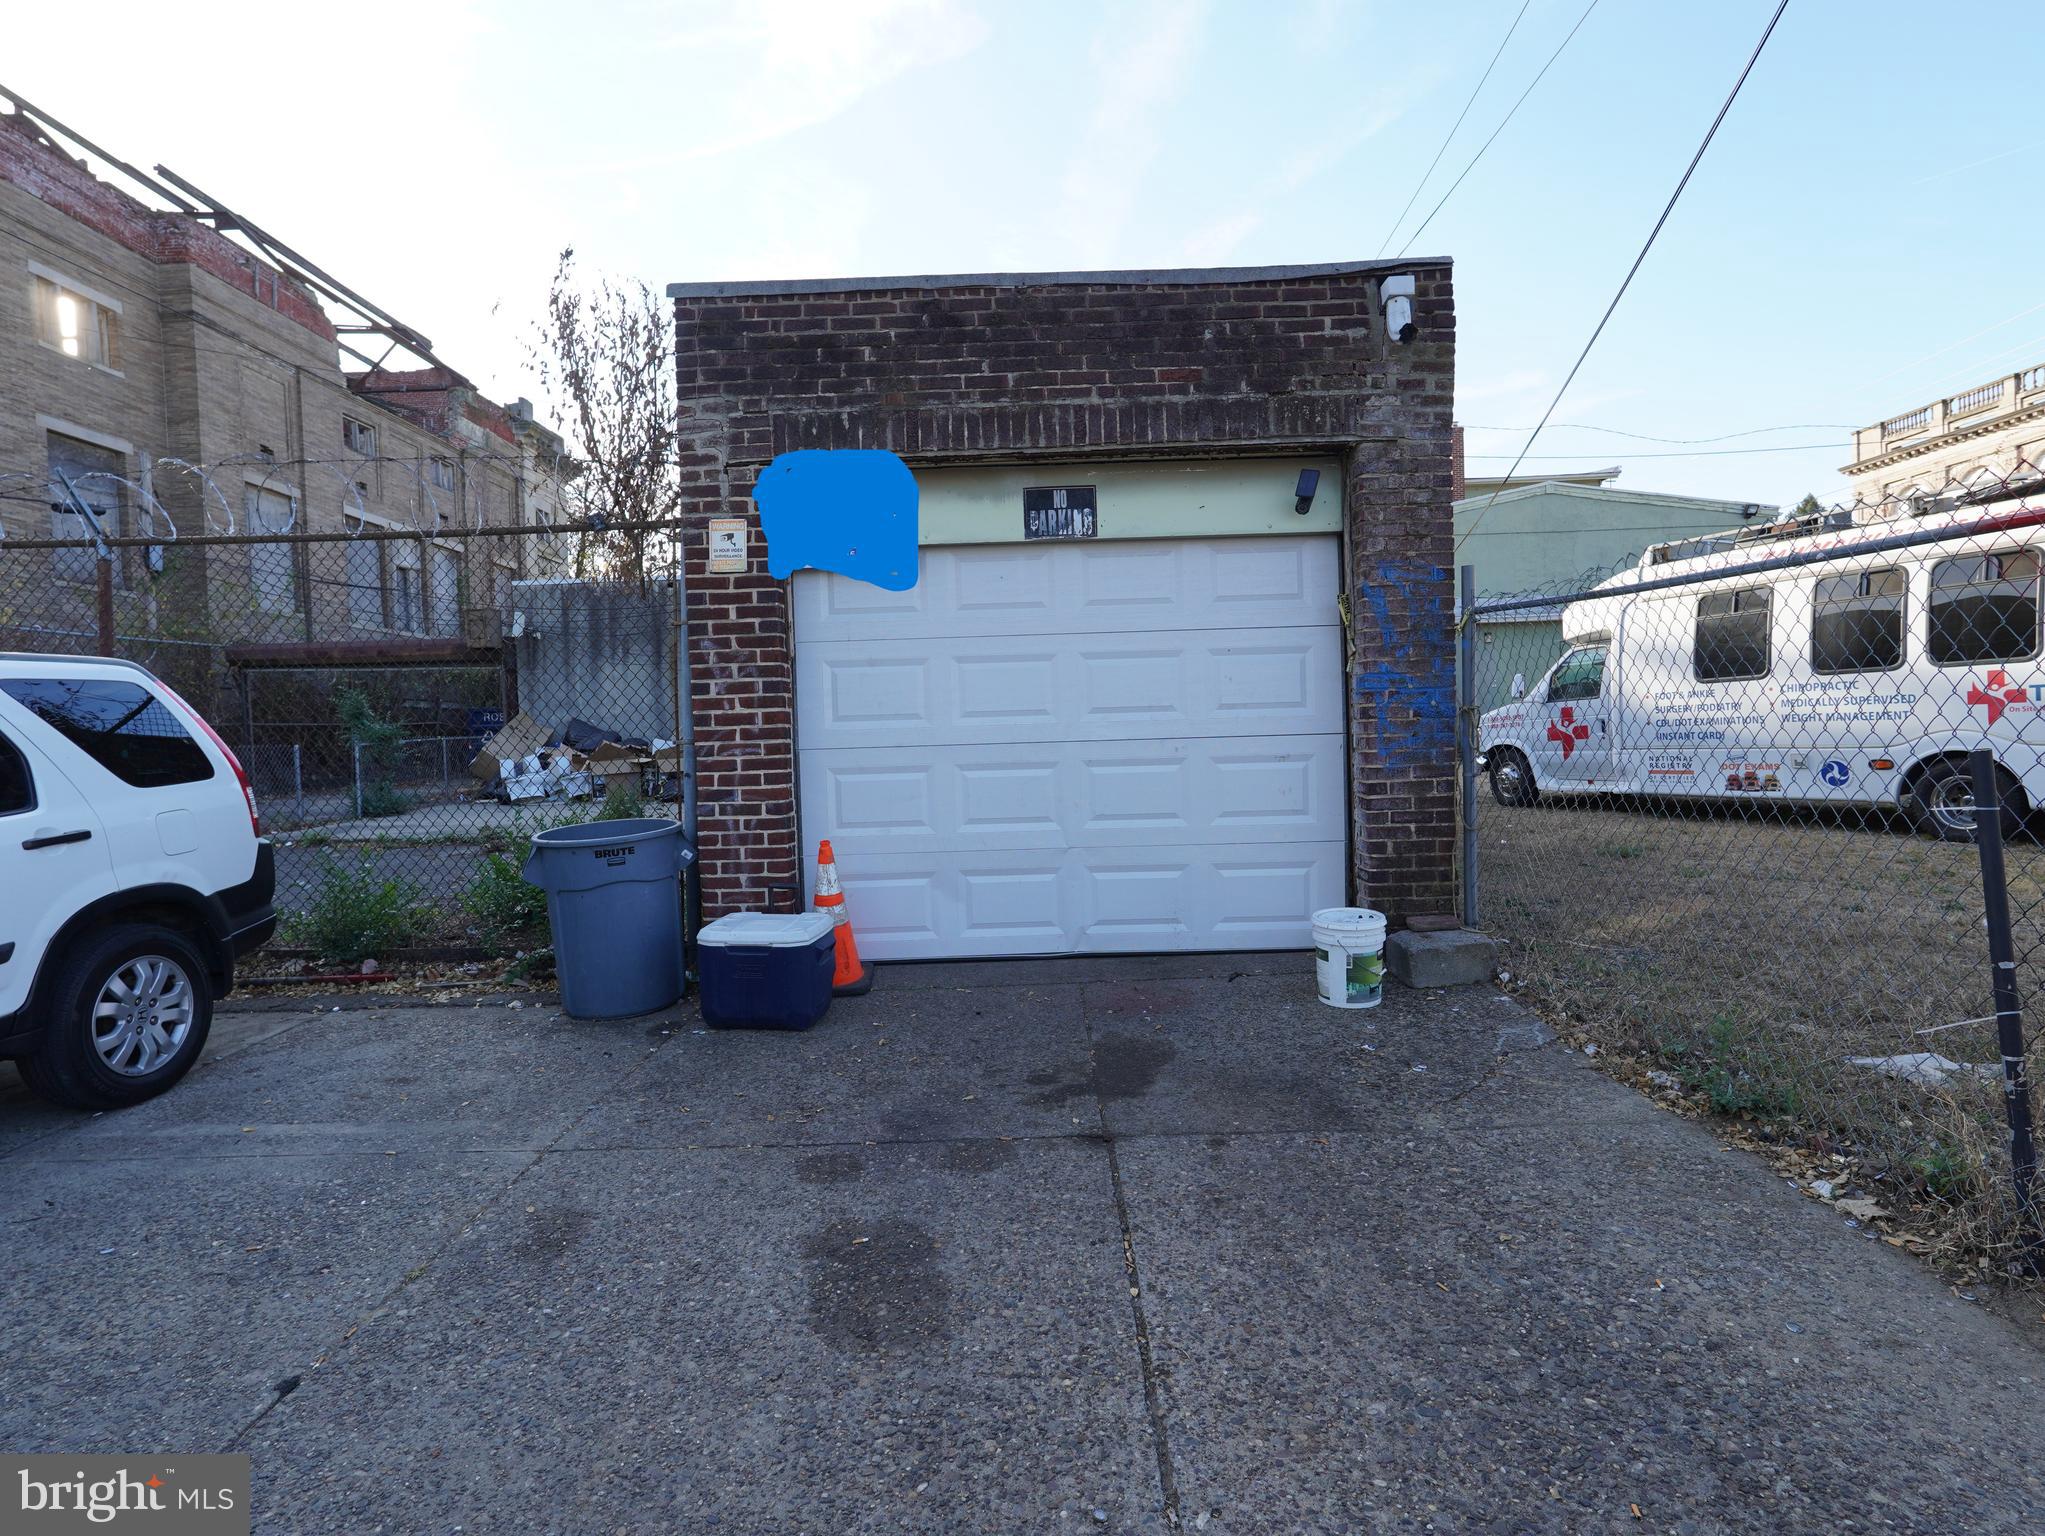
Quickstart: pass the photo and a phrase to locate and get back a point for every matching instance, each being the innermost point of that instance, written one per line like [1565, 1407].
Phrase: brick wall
[956, 371]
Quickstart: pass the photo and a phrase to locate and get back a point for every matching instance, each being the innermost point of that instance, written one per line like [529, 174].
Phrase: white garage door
[1064, 747]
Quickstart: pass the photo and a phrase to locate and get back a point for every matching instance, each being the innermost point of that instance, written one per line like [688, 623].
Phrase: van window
[17, 789]
[1732, 635]
[1857, 622]
[1984, 608]
[1580, 676]
[123, 727]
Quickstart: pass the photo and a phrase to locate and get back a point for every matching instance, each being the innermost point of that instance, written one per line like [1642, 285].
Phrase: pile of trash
[525, 761]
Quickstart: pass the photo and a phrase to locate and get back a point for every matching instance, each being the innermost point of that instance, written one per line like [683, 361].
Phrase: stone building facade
[182, 386]
[1989, 435]
[1151, 386]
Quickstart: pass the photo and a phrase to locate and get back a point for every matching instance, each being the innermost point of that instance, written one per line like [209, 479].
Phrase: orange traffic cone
[850, 978]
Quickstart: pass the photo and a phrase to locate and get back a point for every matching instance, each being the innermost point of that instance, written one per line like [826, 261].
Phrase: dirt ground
[1752, 954]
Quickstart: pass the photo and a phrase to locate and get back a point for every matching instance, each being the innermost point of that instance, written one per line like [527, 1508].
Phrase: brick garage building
[1183, 723]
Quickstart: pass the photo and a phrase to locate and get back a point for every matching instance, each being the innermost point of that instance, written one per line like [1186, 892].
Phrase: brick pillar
[1401, 583]
[1402, 679]
[742, 692]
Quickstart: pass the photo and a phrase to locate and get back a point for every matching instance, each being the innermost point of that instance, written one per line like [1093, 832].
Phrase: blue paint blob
[1413, 699]
[849, 510]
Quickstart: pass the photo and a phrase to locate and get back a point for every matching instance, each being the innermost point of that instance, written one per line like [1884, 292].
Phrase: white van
[1815, 661]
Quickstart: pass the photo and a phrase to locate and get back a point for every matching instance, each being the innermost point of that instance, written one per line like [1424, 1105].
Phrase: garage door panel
[1070, 588]
[1077, 901]
[867, 803]
[880, 693]
[1261, 679]
[1006, 905]
[1199, 790]
[1259, 898]
[1049, 749]
[1077, 688]
[1015, 691]
[898, 914]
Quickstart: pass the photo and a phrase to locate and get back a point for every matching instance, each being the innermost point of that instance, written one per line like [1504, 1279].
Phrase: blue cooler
[766, 970]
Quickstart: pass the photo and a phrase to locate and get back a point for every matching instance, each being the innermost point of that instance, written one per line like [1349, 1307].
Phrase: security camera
[1397, 293]
[1303, 491]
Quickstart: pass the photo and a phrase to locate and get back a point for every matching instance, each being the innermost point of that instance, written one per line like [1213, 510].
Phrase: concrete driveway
[1064, 1246]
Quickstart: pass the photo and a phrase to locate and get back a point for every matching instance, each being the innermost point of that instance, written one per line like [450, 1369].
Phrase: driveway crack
[1153, 1397]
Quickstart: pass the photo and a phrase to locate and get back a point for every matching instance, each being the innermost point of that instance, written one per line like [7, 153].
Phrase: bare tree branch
[605, 359]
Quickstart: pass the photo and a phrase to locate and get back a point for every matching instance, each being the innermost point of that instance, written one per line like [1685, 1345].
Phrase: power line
[1703, 453]
[1454, 126]
[1586, 16]
[1669, 208]
[1723, 437]
[1950, 346]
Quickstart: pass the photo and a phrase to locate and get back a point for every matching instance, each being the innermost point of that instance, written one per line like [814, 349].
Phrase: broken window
[76, 325]
[407, 594]
[358, 437]
[365, 580]
[83, 475]
[444, 567]
[441, 473]
[273, 574]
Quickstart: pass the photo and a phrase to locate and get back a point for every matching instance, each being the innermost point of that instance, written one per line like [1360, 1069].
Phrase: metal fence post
[1466, 734]
[104, 604]
[2009, 1020]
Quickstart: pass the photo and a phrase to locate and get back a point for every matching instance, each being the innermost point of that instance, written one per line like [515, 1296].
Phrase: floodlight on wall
[1397, 293]
[1303, 493]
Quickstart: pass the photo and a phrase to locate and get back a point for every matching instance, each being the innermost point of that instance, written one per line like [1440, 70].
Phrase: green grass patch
[355, 914]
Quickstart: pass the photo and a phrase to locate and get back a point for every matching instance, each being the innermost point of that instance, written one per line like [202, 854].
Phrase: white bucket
[1349, 958]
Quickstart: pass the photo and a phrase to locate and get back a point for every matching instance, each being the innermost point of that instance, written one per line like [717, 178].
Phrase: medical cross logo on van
[1999, 696]
[1568, 732]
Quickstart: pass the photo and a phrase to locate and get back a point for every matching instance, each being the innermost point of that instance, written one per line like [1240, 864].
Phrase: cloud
[1505, 386]
[1139, 68]
[1213, 244]
[772, 68]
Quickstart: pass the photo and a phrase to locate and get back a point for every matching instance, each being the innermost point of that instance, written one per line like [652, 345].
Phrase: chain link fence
[1722, 816]
[410, 704]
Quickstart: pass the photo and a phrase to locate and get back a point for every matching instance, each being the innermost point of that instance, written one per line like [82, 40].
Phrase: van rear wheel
[1942, 801]
[1512, 780]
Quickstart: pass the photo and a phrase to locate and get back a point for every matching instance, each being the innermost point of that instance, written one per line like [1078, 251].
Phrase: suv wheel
[128, 1014]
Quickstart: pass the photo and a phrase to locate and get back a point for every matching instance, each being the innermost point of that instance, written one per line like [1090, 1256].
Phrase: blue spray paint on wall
[1415, 706]
[850, 510]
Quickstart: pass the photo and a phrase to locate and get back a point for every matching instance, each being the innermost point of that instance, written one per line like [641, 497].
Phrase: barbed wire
[433, 510]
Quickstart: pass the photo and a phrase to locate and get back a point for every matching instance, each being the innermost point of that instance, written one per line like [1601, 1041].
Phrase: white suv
[133, 874]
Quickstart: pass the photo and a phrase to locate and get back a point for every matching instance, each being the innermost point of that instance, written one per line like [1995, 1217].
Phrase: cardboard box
[522, 736]
[614, 763]
[526, 786]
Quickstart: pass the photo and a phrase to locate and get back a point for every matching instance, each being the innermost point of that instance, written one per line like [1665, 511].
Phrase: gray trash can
[614, 903]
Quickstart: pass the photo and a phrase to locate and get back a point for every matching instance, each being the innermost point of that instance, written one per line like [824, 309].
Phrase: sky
[1863, 236]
